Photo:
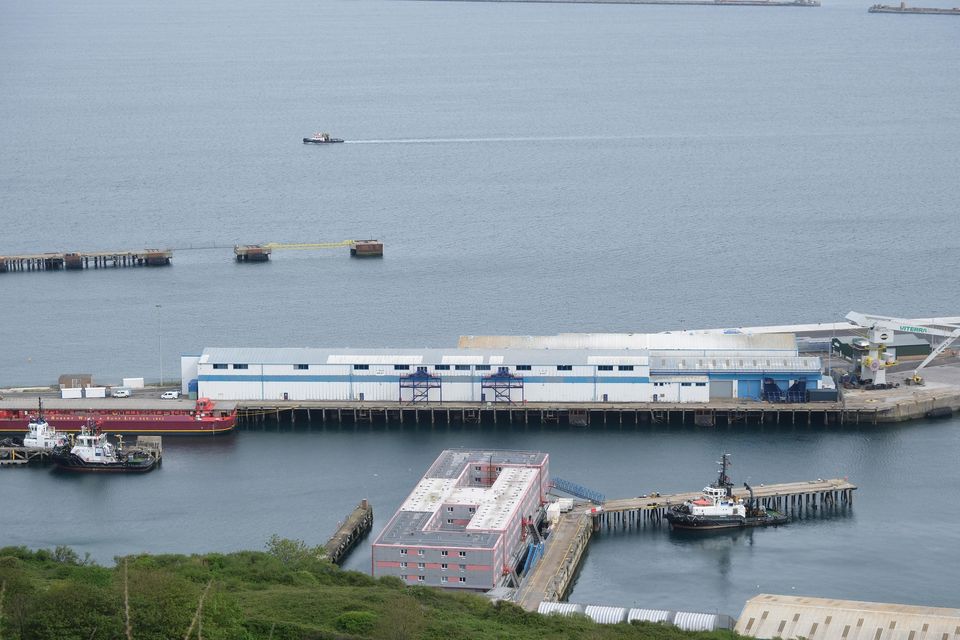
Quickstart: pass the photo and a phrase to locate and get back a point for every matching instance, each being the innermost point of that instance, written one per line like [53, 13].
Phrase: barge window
[605, 367]
[301, 367]
[401, 367]
[219, 366]
[441, 367]
[564, 367]
[403, 552]
[420, 578]
[239, 366]
[443, 578]
[463, 579]
[361, 367]
[462, 367]
[625, 367]
[523, 367]
[443, 554]
[463, 554]
[444, 566]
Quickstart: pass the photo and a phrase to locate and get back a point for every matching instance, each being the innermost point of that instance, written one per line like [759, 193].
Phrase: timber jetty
[553, 575]
[903, 8]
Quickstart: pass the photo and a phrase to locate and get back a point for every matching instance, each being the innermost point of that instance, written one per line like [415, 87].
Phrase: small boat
[40, 434]
[93, 452]
[322, 138]
[719, 508]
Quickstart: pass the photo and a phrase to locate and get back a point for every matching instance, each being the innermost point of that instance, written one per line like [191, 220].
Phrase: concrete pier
[350, 532]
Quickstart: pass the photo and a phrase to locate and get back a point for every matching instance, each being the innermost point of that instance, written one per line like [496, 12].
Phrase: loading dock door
[748, 389]
[721, 388]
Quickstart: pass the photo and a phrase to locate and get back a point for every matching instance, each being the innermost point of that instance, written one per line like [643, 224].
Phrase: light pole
[160, 342]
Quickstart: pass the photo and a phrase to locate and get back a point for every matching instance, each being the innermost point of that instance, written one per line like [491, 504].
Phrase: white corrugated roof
[605, 615]
[560, 608]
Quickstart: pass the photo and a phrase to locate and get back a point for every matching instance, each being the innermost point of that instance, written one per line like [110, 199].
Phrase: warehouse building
[796, 617]
[677, 368]
[465, 525]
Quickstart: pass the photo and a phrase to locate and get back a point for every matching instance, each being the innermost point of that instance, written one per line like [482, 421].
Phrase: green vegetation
[288, 592]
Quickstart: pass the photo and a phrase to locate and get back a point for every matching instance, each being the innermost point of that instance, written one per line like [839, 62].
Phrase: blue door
[748, 389]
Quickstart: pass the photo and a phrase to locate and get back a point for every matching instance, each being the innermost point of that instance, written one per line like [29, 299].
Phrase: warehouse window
[301, 367]
[523, 367]
[503, 369]
[625, 367]
[605, 367]
[361, 367]
[401, 367]
[685, 384]
[483, 367]
[564, 367]
[441, 367]
[239, 366]
[462, 367]
[421, 369]
[701, 384]
[219, 366]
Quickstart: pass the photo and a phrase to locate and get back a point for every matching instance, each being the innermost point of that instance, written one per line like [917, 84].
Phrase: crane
[882, 329]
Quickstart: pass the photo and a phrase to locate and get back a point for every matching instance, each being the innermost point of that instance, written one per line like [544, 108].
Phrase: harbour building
[467, 523]
[675, 368]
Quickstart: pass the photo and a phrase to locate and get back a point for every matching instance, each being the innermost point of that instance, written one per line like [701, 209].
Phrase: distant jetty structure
[903, 8]
[718, 3]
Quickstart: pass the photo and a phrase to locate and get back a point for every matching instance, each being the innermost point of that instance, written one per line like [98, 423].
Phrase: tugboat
[93, 452]
[40, 434]
[718, 508]
[321, 138]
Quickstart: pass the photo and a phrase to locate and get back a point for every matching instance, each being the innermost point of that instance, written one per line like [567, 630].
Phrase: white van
[170, 395]
[120, 393]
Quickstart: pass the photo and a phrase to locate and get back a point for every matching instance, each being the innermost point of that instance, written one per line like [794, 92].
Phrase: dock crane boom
[882, 329]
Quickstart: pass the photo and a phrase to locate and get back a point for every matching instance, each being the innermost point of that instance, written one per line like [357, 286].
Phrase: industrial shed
[795, 617]
[491, 375]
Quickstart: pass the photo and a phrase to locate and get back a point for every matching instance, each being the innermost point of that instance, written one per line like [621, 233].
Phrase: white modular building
[698, 369]
[466, 522]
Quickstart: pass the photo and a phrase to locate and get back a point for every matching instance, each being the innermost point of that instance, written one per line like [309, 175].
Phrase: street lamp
[160, 343]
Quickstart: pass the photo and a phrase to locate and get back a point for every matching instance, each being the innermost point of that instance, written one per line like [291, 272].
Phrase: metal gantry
[502, 383]
[420, 383]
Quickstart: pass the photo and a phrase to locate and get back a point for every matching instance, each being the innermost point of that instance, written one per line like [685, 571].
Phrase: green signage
[905, 327]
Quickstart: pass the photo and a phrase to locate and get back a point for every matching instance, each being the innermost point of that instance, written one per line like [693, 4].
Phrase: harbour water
[532, 168]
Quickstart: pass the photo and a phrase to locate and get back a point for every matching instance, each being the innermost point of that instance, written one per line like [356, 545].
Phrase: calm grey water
[532, 169]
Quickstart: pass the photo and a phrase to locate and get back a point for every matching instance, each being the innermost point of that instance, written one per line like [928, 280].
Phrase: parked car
[120, 393]
[170, 395]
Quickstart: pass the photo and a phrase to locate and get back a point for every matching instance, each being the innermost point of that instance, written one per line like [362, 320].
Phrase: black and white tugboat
[40, 434]
[322, 138]
[93, 452]
[719, 508]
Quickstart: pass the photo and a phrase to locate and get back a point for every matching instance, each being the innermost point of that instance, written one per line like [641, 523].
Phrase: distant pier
[85, 260]
[903, 8]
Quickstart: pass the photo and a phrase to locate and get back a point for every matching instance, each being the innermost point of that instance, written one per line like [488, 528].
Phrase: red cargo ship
[204, 418]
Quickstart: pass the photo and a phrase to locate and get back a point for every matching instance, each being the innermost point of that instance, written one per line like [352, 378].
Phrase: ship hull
[331, 141]
[126, 422]
[74, 464]
[689, 522]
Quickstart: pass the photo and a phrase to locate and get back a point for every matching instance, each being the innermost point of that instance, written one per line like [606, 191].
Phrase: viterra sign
[905, 327]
